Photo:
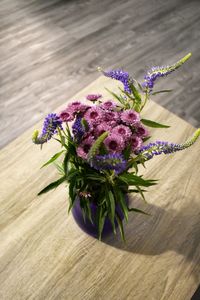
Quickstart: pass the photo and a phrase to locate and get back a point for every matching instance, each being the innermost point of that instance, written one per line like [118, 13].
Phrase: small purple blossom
[94, 115]
[77, 107]
[141, 131]
[110, 116]
[101, 128]
[84, 147]
[130, 117]
[66, 116]
[135, 142]
[114, 143]
[121, 76]
[93, 97]
[109, 105]
[123, 131]
[110, 161]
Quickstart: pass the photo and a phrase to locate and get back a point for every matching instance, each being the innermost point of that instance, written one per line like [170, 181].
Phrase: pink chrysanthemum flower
[135, 142]
[84, 147]
[109, 105]
[114, 143]
[101, 128]
[66, 116]
[123, 131]
[141, 131]
[130, 117]
[77, 107]
[93, 97]
[94, 115]
[111, 116]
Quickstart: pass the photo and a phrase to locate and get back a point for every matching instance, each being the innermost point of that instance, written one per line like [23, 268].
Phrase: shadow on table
[165, 230]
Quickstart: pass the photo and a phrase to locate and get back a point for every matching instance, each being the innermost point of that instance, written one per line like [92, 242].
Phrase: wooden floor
[49, 50]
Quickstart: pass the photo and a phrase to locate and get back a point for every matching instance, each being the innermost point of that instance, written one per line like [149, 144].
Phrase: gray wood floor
[49, 49]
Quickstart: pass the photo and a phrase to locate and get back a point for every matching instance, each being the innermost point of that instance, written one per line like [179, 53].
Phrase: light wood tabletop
[45, 255]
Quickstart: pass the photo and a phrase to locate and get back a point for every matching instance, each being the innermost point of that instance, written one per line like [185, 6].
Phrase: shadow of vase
[164, 230]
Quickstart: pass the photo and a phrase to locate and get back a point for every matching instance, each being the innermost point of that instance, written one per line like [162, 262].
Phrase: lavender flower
[114, 162]
[78, 129]
[157, 72]
[51, 123]
[159, 147]
[121, 76]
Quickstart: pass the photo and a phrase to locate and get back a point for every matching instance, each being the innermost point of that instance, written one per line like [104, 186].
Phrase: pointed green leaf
[153, 124]
[52, 185]
[111, 201]
[138, 211]
[121, 227]
[162, 91]
[52, 159]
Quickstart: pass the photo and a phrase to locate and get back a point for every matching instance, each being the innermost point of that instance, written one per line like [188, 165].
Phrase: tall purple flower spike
[157, 72]
[147, 152]
[51, 123]
[120, 75]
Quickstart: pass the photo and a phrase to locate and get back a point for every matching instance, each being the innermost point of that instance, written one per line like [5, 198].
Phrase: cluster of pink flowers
[123, 126]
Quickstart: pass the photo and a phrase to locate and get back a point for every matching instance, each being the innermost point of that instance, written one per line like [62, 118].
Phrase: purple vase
[87, 226]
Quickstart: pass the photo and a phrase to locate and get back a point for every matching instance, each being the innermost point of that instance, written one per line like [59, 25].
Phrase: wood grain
[44, 254]
[50, 50]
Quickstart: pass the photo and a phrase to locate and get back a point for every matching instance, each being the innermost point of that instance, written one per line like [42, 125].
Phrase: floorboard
[50, 49]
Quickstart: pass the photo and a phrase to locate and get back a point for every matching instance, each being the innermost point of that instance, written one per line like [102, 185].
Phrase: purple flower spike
[77, 129]
[121, 76]
[159, 147]
[157, 72]
[114, 162]
[51, 123]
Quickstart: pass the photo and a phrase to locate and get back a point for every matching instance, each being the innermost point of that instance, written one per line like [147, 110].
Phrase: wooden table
[44, 254]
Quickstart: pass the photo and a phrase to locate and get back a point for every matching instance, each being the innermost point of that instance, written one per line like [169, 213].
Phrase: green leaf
[121, 227]
[85, 124]
[121, 100]
[153, 124]
[53, 158]
[141, 193]
[101, 220]
[120, 198]
[52, 185]
[162, 91]
[135, 191]
[95, 147]
[111, 201]
[138, 211]
[132, 179]
[135, 93]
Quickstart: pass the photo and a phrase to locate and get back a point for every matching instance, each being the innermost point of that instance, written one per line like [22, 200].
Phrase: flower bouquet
[103, 142]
